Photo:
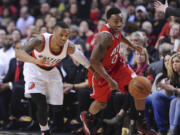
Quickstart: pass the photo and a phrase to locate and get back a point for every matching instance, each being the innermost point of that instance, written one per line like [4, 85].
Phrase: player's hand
[40, 61]
[113, 85]
[138, 48]
[159, 6]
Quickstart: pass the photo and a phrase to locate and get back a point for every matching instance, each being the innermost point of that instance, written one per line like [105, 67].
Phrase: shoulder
[104, 37]
[33, 43]
[37, 39]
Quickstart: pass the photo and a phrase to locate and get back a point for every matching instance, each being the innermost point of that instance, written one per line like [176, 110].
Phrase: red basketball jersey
[112, 56]
[115, 66]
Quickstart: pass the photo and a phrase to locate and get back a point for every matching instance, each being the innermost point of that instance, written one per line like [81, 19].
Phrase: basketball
[140, 87]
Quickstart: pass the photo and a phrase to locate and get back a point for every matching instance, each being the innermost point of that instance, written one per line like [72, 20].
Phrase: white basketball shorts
[48, 83]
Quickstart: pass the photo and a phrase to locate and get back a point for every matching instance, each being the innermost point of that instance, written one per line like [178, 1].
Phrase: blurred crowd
[159, 35]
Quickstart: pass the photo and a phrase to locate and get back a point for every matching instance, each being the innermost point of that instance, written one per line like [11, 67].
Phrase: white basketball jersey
[51, 60]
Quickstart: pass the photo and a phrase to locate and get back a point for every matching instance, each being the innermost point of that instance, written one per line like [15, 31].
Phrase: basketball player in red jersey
[43, 80]
[106, 60]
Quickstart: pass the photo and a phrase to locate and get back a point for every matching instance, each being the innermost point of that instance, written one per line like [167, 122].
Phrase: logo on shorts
[31, 85]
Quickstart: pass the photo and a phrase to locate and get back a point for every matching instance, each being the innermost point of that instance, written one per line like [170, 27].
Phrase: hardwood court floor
[27, 133]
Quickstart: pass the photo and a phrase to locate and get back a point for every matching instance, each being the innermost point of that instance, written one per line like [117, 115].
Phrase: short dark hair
[112, 11]
[62, 25]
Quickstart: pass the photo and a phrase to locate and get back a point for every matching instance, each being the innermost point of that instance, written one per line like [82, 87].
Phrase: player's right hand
[40, 61]
[113, 85]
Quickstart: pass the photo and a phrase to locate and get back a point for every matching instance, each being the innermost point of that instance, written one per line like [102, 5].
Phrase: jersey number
[114, 59]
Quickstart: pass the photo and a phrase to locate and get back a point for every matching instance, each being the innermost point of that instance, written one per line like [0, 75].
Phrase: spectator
[94, 12]
[141, 15]
[152, 52]
[173, 86]
[6, 53]
[84, 30]
[7, 3]
[50, 24]
[159, 102]
[44, 9]
[157, 66]
[6, 14]
[16, 37]
[136, 38]
[131, 13]
[2, 36]
[75, 38]
[24, 20]
[12, 91]
[11, 27]
[39, 23]
[174, 34]
[169, 11]
[73, 14]
[147, 25]
[43, 30]
[75, 89]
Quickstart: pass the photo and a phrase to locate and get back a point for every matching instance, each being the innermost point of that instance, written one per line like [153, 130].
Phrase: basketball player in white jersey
[43, 80]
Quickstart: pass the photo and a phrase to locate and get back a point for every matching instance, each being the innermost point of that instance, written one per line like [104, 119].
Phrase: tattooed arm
[23, 54]
[104, 40]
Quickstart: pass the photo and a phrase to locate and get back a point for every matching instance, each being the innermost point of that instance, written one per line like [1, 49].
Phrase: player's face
[115, 22]
[61, 35]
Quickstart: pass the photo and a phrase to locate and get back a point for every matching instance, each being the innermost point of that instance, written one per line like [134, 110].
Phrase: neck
[138, 65]
[54, 42]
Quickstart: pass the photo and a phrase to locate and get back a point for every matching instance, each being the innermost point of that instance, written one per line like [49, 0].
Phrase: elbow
[93, 62]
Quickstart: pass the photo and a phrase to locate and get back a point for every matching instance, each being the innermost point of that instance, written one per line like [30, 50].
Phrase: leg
[177, 115]
[41, 114]
[16, 105]
[84, 99]
[5, 98]
[89, 117]
[174, 114]
[120, 105]
[148, 107]
[161, 103]
[96, 106]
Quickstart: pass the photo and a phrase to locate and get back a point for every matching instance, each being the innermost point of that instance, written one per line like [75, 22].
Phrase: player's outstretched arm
[77, 55]
[24, 52]
[104, 40]
[138, 48]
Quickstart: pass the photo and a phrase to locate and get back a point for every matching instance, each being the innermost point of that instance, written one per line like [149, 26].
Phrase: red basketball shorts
[101, 90]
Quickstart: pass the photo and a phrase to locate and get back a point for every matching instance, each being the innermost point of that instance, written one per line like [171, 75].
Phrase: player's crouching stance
[43, 80]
